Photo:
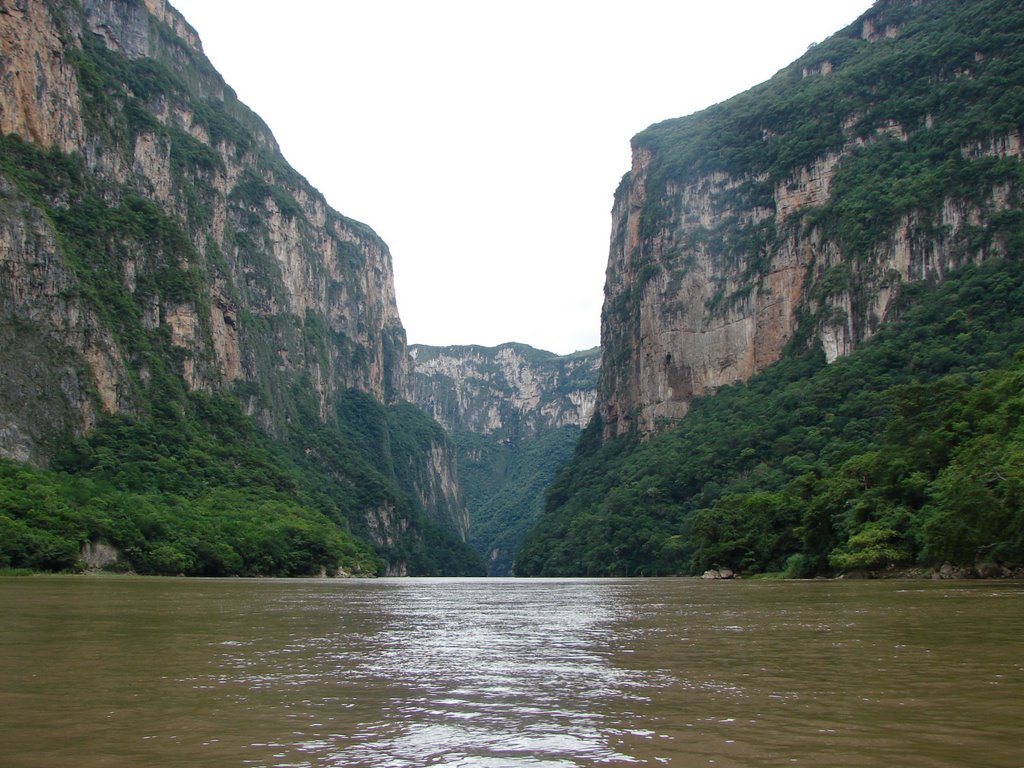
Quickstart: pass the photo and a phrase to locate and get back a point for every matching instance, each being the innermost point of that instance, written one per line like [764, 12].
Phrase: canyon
[185, 323]
[515, 414]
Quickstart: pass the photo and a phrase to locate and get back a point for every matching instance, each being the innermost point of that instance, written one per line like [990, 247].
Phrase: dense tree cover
[908, 452]
[200, 494]
[197, 489]
[503, 484]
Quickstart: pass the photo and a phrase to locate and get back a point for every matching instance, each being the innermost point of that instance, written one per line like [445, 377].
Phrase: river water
[499, 673]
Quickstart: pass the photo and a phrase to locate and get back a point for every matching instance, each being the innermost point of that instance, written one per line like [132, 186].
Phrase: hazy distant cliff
[793, 212]
[515, 413]
[153, 238]
[504, 389]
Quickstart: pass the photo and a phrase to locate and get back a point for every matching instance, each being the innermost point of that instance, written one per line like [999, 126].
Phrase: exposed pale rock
[98, 555]
[153, 164]
[439, 490]
[810, 185]
[871, 32]
[37, 297]
[683, 318]
[15, 445]
[489, 390]
[1006, 145]
[824, 68]
[38, 87]
[224, 333]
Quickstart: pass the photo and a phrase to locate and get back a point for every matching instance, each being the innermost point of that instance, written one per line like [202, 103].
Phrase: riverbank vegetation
[198, 490]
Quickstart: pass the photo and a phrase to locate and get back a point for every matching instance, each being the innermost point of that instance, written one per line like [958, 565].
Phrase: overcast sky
[484, 140]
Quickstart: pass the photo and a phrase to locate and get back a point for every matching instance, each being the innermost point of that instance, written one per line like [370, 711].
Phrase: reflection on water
[456, 673]
[503, 673]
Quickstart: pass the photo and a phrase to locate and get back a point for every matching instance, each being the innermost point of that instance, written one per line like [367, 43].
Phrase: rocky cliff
[793, 213]
[515, 413]
[149, 224]
[509, 390]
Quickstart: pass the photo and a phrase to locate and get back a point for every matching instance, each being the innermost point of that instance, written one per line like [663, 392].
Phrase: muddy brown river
[496, 673]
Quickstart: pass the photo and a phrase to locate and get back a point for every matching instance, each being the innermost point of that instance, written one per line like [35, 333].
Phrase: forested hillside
[503, 483]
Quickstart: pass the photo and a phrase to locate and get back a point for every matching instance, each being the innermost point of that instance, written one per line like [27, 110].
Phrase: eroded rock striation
[504, 389]
[163, 220]
[748, 227]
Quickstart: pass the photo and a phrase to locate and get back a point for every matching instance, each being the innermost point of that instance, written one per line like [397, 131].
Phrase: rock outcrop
[727, 248]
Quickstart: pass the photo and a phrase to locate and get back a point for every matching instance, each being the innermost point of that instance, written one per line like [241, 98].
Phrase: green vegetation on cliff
[908, 452]
[197, 489]
[920, 102]
[503, 485]
[942, 74]
[202, 495]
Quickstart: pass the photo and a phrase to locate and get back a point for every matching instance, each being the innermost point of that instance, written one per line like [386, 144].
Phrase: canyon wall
[504, 390]
[793, 213]
[148, 221]
[515, 414]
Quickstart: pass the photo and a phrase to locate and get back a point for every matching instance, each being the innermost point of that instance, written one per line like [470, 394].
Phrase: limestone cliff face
[438, 488]
[39, 97]
[723, 252]
[507, 390]
[235, 269]
[43, 402]
[281, 258]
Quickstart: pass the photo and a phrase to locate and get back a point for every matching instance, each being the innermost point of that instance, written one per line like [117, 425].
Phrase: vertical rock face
[512, 389]
[439, 488]
[744, 228]
[289, 282]
[39, 97]
[149, 222]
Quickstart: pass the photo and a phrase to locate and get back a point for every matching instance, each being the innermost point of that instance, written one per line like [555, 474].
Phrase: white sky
[484, 140]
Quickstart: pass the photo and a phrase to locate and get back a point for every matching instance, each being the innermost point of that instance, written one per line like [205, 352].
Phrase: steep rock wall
[269, 294]
[279, 254]
[723, 252]
[39, 97]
